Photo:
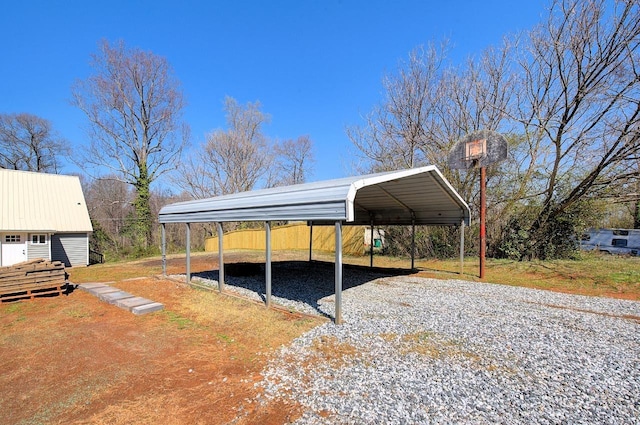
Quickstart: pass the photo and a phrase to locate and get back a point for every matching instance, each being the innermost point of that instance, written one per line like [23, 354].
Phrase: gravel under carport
[417, 350]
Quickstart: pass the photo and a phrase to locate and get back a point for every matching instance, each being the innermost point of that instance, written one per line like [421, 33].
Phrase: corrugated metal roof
[388, 198]
[42, 202]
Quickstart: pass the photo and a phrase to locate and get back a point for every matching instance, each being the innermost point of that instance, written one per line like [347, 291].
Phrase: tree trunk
[142, 207]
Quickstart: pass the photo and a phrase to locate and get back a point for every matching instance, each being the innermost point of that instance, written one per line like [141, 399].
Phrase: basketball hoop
[475, 149]
[478, 150]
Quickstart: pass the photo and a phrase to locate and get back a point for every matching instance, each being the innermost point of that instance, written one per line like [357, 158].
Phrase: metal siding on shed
[70, 248]
[42, 202]
[35, 251]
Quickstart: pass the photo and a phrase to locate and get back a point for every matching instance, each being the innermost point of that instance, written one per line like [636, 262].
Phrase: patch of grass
[180, 321]
[77, 313]
[388, 336]
[214, 307]
[14, 312]
[111, 272]
[224, 338]
[13, 308]
[145, 267]
[591, 274]
[334, 351]
[626, 277]
[422, 343]
[431, 344]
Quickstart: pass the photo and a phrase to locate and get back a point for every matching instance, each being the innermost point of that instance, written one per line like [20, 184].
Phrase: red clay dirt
[74, 359]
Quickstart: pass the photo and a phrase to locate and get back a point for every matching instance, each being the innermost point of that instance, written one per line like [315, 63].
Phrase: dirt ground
[75, 359]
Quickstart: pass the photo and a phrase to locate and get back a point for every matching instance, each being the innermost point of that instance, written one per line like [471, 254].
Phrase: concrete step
[147, 308]
[112, 295]
[129, 303]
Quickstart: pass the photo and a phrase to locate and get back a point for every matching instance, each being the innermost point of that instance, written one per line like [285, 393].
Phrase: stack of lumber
[32, 278]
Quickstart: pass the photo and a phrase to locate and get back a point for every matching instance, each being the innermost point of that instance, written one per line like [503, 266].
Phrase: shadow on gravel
[301, 281]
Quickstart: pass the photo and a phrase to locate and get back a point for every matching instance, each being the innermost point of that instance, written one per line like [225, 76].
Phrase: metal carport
[418, 196]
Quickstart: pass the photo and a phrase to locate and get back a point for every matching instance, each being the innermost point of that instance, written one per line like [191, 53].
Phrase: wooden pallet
[31, 279]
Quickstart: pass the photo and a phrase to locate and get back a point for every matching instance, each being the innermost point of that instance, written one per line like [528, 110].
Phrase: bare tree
[567, 97]
[109, 202]
[580, 106]
[429, 105]
[294, 159]
[636, 202]
[395, 130]
[134, 106]
[29, 143]
[232, 160]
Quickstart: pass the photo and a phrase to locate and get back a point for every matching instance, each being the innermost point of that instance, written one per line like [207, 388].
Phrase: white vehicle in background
[613, 241]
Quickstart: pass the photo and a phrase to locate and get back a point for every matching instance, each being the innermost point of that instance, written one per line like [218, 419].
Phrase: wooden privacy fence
[292, 237]
[32, 278]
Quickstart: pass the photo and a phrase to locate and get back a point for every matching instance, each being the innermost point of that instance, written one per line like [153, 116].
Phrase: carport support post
[483, 215]
[310, 240]
[220, 258]
[338, 299]
[413, 242]
[267, 266]
[188, 252]
[371, 246]
[164, 251]
[462, 246]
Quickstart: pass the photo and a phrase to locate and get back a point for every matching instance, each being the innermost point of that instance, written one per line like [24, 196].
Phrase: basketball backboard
[478, 149]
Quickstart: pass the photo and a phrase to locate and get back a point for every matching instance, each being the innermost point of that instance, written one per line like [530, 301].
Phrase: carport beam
[267, 267]
[188, 252]
[220, 258]
[338, 298]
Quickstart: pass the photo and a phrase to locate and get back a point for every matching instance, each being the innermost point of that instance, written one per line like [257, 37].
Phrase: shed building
[418, 196]
[43, 216]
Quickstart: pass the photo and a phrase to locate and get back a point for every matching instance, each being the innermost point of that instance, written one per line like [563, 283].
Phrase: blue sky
[315, 66]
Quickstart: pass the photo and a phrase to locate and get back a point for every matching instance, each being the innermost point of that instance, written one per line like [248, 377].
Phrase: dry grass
[592, 274]
[331, 350]
[434, 346]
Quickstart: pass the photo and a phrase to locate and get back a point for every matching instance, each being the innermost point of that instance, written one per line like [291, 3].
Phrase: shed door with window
[14, 248]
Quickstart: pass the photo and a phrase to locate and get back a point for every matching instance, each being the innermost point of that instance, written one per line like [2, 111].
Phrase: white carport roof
[420, 196]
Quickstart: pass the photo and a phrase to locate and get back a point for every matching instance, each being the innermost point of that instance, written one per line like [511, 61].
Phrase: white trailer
[613, 241]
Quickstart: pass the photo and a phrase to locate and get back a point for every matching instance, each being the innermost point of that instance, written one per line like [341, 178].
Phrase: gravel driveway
[419, 351]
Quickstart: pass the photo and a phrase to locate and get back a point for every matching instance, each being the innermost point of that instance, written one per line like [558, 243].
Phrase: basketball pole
[477, 150]
[483, 213]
